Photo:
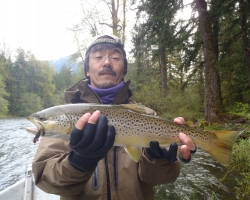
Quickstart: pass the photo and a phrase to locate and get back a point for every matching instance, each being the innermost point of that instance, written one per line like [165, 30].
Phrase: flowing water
[16, 150]
[198, 180]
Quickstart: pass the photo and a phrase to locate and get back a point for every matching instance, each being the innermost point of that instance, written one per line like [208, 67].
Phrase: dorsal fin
[135, 107]
[189, 124]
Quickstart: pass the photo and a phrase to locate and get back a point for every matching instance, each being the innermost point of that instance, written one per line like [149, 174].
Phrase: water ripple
[16, 150]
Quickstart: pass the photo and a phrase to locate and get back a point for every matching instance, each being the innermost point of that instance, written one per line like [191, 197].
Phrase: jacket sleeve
[52, 171]
[157, 171]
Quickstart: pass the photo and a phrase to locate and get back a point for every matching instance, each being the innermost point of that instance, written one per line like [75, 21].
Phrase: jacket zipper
[106, 158]
[115, 167]
[98, 98]
[108, 179]
[96, 179]
[128, 82]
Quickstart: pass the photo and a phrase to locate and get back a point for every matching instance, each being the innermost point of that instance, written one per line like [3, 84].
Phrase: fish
[134, 129]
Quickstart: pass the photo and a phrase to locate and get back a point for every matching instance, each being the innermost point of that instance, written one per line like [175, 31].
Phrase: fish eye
[42, 118]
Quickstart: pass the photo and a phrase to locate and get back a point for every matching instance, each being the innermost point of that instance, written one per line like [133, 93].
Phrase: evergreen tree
[3, 93]
[28, 103]
[212, 100]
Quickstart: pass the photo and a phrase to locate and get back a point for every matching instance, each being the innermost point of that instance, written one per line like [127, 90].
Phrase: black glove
[155, 151]
[91, 144]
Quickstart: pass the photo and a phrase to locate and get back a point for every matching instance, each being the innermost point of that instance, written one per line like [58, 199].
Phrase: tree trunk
[124, 22]
[215, 6]
[114, 14]
[212, 101]
[163, 65]
[245, 43]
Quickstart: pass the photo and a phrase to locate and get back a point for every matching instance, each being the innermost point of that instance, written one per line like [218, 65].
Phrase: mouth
[32, 130]
[38, 130]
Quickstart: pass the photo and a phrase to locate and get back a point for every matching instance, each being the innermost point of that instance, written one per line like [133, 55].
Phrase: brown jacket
[116, 174]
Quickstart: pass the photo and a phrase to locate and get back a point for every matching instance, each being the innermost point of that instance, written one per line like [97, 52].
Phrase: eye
[42, 118]
[115, 58]
[98, 58]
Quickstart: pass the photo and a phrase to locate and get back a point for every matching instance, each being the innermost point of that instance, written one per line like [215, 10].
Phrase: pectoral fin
[134, 152]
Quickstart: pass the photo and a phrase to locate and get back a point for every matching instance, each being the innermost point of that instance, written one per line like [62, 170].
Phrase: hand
[188, 146]
[155, 151]
[90, 140]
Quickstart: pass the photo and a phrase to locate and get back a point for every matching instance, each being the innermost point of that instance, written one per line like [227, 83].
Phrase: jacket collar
[82, 93]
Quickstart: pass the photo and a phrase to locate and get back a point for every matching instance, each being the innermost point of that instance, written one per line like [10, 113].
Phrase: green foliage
[232, 59]
[241, 166]
[177, 102]
[158, 34]
[241, 158]
[28, 104]
[3, 93]
[157, 30]
[32, 84]
[64, 79]
[28, 75]
[4, 107]
[58, 98]
[243, 188]
[243, 108]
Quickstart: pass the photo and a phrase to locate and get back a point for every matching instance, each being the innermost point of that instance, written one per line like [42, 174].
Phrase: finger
[187, 141]
[185, 152]
[88, 135]
[82, 121]
[110, 139]
[76, 136]
[156, 149]
[179, 120]
[171, 154]
[186, 160]
[94, 117]
[100, 134]
[193, 151]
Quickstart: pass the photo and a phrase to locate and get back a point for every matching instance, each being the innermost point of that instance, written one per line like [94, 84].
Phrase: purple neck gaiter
[107, 95]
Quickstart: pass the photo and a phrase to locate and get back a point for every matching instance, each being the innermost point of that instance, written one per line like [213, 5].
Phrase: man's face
[104, 69]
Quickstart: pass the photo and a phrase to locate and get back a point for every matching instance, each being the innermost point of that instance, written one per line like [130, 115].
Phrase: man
[88, 166]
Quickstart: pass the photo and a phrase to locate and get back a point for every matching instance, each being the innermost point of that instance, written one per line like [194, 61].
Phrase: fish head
[51, 122]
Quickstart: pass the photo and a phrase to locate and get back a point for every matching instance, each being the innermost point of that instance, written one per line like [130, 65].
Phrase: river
[198, 180]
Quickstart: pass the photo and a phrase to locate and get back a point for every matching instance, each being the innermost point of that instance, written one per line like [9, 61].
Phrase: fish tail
[222, 150]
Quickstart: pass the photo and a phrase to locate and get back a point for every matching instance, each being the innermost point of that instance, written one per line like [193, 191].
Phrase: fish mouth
[32, 130]
[39, 130]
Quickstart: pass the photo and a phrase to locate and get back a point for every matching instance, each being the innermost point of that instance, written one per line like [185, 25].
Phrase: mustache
[107, 70]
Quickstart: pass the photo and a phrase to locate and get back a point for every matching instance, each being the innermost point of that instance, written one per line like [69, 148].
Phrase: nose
[106, 60]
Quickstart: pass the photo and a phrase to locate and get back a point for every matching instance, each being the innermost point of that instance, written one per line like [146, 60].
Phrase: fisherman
[87, 166]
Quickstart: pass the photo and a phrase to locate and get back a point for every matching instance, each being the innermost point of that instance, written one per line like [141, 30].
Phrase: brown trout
[134, 128]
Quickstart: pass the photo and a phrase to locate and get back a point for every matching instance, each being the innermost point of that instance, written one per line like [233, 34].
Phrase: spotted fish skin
[133, 127]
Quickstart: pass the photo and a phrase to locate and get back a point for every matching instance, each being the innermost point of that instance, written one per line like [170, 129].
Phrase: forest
[196, 67]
